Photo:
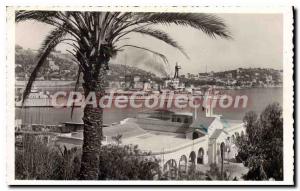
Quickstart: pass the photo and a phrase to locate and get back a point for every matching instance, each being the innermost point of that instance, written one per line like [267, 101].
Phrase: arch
[222, 150]
[200, 156]
[170, 169]
[236, 134]
[232, 138]
[192, 160]
[228, 140]
[192, 157]
[186, 120]
[195, 135]
[182, 166]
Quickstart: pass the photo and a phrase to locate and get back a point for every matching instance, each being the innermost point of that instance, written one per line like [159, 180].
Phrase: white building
[178, 139]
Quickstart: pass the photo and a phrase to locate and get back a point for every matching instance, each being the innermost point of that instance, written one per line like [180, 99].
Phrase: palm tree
[94, 38]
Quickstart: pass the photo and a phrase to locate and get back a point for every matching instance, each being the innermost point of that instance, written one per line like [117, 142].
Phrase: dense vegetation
[261, 149]
[25, 63]
[38, 161]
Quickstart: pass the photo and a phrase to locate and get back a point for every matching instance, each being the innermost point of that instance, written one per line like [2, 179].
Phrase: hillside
[60, 66]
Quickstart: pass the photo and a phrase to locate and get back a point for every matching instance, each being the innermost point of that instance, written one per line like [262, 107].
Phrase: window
[186, 120]
[195, 135]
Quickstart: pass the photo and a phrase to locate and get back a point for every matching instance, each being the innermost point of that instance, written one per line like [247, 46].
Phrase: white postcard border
[288, 93]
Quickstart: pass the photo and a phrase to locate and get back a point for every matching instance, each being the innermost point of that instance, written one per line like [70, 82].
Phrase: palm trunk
[93, 124]
[222, 169]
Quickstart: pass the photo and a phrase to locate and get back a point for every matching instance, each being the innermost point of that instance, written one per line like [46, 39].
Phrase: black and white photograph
[151, 96]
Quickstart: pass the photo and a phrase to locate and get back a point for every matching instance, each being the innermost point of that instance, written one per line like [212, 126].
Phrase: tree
[96, 37]
[250, 121]
[127, 163]
[261, 149]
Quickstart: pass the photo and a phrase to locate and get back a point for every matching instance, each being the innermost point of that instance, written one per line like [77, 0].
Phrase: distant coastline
[71, 84]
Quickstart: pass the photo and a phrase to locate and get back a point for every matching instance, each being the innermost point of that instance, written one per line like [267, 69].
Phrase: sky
[257, 42]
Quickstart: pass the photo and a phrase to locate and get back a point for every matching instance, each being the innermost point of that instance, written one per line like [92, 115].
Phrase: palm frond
[208, 23]
[41, 16]
[50, 42]
[163, 57]
[122, 20]
[161, 35]
[66, 19]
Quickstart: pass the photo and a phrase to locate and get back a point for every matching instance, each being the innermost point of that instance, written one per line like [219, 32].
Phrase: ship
[35, 98]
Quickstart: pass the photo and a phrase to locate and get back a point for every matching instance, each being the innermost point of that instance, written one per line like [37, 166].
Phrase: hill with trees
[60, 66]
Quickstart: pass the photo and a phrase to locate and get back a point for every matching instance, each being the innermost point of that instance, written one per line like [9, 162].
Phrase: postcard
[150, 96]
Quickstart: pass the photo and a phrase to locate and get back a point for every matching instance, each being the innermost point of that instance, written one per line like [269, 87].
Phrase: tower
[177, 68]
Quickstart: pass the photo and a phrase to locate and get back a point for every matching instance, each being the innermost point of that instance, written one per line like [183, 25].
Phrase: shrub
[127, 163]
[38, 161]
[35, 160]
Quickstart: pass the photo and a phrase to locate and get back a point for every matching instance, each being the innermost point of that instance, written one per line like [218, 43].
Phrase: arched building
[181, 140]
[179, 145]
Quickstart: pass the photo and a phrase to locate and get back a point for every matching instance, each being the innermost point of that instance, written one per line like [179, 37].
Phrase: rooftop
[217, 133]
[160, 125]
[184, 113]
[128, 129]
[230, 123]
[157, 143]
[202, 123]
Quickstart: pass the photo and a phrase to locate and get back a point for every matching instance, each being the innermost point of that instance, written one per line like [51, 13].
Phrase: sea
[258, 99]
